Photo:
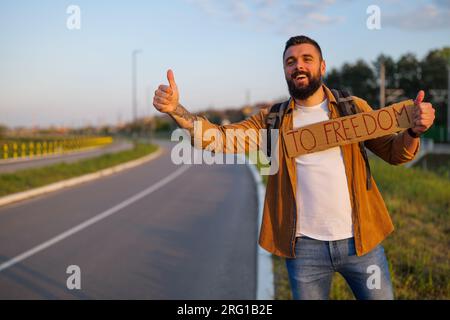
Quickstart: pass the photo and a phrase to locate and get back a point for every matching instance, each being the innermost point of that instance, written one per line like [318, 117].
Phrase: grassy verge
[32, 178]
[418, 254]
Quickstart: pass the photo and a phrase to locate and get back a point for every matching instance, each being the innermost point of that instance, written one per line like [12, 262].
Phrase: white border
[265, 280]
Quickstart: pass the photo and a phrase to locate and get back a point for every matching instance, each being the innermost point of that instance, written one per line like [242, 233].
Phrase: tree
[333, 79]
[409, 74]
[390, 70]
[3, 131]
[359, 79]
[435, 81]
[434, 69]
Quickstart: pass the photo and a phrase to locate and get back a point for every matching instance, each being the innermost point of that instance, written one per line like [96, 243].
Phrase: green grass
[419, 204]
[32, 178]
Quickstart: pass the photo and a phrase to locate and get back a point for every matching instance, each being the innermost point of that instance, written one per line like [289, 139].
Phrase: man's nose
[301, 66]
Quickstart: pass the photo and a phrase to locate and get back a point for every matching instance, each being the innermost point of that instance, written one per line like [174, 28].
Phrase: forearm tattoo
[183, 118]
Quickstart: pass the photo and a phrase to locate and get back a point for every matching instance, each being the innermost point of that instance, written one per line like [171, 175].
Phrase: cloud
[290, 16]
[442, 3]
[323, 19]
[432, 16]
[206, 6]
[240, 10]
[284, 16]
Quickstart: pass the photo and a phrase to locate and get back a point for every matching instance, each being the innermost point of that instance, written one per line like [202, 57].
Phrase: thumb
[419, 97]
[171, 79]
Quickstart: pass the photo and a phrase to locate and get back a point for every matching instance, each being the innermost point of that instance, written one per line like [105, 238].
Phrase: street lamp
[133, 82]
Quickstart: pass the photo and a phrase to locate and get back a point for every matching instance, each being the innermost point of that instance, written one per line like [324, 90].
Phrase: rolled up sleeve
[239, 137]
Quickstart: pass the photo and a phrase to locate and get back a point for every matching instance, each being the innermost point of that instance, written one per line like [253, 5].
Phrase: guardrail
[17, 149]
[426, 146]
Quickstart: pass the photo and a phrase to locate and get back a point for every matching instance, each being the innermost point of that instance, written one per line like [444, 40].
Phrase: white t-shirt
[323, 200]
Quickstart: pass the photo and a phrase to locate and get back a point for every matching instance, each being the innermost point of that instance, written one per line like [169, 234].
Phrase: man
[318, 212]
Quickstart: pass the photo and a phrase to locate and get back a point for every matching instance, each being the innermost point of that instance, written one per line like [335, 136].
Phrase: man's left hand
[423, 114]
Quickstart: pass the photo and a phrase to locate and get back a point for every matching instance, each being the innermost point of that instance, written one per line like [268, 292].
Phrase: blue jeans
[310, 273]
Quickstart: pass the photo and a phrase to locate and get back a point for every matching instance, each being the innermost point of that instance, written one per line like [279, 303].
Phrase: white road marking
[94, 219]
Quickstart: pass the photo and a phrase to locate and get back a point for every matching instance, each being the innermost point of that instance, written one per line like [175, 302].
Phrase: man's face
[303, 70]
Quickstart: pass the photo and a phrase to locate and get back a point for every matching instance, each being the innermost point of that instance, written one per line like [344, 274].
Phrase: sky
[224, 53]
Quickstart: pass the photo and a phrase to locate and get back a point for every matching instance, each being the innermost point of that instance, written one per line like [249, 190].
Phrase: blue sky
[219, 51]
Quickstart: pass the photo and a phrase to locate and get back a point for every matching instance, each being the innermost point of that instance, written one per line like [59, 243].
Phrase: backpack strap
[346, 107]
[273, 121]
[345, 103]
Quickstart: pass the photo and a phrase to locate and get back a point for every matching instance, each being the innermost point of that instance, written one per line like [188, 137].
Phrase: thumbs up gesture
[166, 97]
[423, 114]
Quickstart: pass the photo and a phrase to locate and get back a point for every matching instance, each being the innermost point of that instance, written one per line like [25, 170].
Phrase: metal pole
[448, 103]
[382, 85]
[133, 83]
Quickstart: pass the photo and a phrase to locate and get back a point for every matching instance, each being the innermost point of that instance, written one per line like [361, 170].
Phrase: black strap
[345, 104]
[346, 107]
[273, 121]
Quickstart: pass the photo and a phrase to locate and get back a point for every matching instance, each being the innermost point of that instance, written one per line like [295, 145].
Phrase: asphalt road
[20, 164]
[157, 231]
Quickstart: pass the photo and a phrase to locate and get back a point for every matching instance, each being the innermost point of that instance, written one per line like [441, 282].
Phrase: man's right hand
[166, 100]
[166, 97]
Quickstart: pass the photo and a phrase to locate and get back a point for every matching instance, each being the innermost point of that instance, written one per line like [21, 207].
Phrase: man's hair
[300, 40]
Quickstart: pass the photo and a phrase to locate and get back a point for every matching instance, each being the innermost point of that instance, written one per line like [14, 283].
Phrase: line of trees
[408, 75]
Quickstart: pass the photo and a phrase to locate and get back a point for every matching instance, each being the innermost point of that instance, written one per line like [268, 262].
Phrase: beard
[303, 92]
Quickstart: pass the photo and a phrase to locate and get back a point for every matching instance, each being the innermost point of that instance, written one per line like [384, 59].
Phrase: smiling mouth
[301, 77]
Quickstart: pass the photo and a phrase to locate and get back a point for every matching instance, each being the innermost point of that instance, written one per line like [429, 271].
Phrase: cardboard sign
[349, 129]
